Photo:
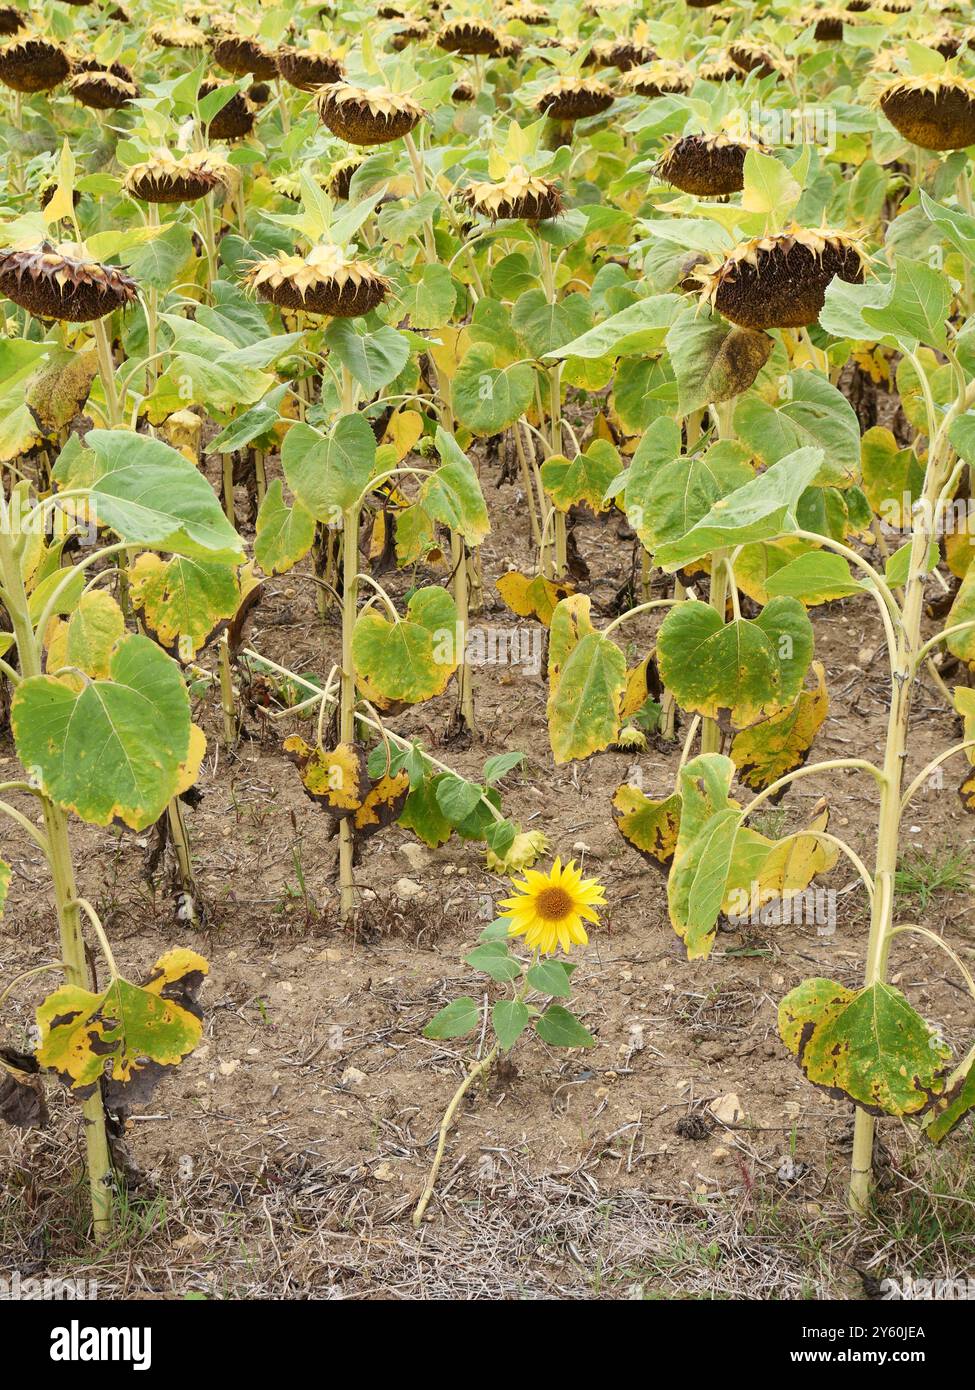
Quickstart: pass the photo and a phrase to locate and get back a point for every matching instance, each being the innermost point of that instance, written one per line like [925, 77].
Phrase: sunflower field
[487, 621]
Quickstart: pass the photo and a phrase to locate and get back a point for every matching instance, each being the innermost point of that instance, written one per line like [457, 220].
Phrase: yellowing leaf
[337, 779]
[650, 826]
[769, 750]
[125, 1033]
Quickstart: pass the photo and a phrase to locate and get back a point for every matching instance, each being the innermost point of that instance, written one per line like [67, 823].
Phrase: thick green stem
[106, 370]
[710, 730]
[903, 665]
[100, 1176]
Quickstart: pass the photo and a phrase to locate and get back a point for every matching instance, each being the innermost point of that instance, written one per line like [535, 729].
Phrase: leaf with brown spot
[767, 751]
[383, 804]
[532, 596]
[651, 827]
[869, 1046]
[336, 779]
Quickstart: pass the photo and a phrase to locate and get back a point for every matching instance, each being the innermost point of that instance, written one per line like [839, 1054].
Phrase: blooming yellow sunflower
[551, 909]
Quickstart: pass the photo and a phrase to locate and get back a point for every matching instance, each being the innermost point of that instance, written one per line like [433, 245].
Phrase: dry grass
[304, 1229]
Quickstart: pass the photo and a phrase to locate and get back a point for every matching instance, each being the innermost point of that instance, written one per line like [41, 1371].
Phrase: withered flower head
[11, 20]
[656, 79]
[96, 65]
[526, 12]
[573, 98]
[60, 282]
[415, 31]
[306, 70]
[102, 91]
[177, 35]
[720, 69]
[463, 92]
[240, 56]
[519, 195]
[168, 178]
[366, 115]
[781, 281]
[326, 281]
[619, 53]
[468, 36]
[336, 181]
[235, 119]
[33, 65]
[752, 57]
[827, 24]
[933, 110]
[709, 166]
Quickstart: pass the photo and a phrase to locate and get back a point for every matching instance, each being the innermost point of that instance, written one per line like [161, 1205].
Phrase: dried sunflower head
[61, 282]
[335, 182]
[780, 281]
[574, 98]
[242, 56]
[656, 79]
[235, 119]
[709, 166]
[11, 20]
[721, 69]
[468, 36]
[753, 57]
[33, 65]
[177, 35]
[520, 195]
[169, 178]
[933, 110]
[366, 115]
[827, 24]
[526, 12]
[413, 31]
[326, 281]
[306, 70]
[101, 90]
[463, 92]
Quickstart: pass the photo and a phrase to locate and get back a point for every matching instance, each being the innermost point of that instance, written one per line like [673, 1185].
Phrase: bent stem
[479, 1069]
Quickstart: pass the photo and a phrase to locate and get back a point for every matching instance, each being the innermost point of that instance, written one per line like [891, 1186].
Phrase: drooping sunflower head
[33, 65]
[11, 20]
[367, 115]
[757, 58]
[325, 281]
[933, 110]
[708, 166]
[573, 98]
[468, 36]
[518, 195]
[551, 908]
[235, 119]
[307, 70]
[407, 32]
[656, 79]
[61, 282]
[169, 178]
[241, 56]
[780, 281]
[177, 35]
[336, 180]
[101, 89]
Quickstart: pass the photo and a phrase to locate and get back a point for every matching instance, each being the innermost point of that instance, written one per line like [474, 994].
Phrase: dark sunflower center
[554, 903]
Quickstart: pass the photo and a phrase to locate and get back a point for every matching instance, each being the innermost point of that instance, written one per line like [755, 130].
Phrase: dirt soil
[283, 1158]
